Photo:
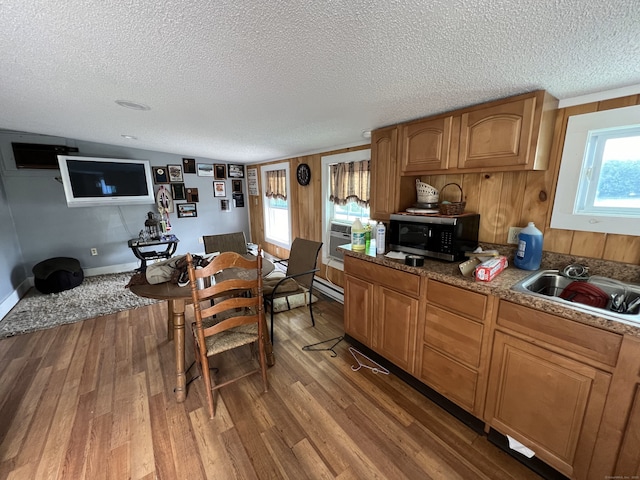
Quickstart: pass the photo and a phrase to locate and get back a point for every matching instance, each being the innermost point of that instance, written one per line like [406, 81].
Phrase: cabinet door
[628, 458]
[426, 145]
[383, 202]
[550, 403]
[358, 304]
[395, 323]
[497, 136]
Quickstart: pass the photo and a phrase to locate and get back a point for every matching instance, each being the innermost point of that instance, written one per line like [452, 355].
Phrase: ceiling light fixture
[133, 105]
[366, 134]
[129, 137]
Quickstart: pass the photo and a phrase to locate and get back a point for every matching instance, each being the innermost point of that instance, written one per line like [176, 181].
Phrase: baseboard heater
[329, 289]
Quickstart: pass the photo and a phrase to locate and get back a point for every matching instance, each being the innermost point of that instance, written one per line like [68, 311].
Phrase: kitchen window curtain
[350, 182]
[276, 184]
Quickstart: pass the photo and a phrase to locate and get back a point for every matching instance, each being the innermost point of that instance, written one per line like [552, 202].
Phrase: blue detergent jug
[529, 254]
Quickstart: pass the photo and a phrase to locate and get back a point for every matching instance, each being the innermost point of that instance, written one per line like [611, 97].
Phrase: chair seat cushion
[288, 286]
[232, 338]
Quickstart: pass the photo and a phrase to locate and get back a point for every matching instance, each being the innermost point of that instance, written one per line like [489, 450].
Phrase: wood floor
[95, 400]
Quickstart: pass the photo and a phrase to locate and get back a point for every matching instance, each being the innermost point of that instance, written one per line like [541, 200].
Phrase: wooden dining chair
[225, 242]
[234, 318]
[298, 279]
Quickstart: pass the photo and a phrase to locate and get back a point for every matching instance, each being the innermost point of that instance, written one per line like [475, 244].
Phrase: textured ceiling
[248, 80]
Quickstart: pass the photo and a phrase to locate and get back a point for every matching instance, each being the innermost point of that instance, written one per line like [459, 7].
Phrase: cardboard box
[487, 271]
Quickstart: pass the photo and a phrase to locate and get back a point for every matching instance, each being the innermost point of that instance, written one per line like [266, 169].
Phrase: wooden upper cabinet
[426, 145]
[384, 146]
[511, 134]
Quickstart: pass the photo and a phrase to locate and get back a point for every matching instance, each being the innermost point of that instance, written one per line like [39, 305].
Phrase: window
[599, 182]
[339, 213]
[277, 218]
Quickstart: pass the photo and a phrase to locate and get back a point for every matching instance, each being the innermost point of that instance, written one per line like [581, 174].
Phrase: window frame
[265, 203]
[355, 156]
[569, 190]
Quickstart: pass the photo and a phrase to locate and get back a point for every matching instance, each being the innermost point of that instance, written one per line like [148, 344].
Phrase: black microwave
[435, 236]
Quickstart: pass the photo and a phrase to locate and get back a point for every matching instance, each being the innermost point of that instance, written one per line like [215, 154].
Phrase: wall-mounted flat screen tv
[92, 181]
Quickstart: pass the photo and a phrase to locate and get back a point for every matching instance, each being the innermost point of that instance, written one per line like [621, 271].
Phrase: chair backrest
[225, 242]
[234, 275]
[303, 257]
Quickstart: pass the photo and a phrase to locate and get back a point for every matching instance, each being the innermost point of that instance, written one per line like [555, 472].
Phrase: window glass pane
[277, 220]
[610, 178]
[619, 179]
[349, 212]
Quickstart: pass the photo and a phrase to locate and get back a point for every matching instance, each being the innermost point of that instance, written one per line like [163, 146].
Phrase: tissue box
[487, 271]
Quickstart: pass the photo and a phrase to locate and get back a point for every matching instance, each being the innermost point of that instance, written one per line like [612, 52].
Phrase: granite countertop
[501, 285]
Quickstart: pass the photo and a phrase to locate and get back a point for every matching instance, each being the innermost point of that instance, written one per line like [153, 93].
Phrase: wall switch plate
[513, 235]
[94, 251]
[200, 240]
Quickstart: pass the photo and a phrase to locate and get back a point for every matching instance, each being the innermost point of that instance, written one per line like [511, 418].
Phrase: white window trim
[575, 144]
[263, 174]
[356, 156]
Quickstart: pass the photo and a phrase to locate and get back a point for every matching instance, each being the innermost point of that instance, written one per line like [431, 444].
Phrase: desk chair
[301, 270]
[233, 320]
[225, 242]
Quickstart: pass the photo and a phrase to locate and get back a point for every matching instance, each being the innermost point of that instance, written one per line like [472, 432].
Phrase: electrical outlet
[94, 251]
[513, 235]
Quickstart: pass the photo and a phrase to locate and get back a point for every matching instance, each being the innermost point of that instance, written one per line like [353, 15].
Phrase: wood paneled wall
[306, 207]
[503, 200]
[515, 198]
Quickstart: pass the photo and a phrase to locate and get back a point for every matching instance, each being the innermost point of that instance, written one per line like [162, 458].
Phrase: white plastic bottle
[357, 236]
[529, 254]
[380, 240]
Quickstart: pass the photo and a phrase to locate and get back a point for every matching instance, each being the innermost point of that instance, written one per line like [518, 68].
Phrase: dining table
[177, 297]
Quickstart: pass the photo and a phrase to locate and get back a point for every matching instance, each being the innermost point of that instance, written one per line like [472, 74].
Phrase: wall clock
[303, 173]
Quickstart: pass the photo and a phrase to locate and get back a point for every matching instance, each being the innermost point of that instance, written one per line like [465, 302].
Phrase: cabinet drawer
[404, 282]
[459, 300]
[585, 340]
[448, 377]
[457, 336]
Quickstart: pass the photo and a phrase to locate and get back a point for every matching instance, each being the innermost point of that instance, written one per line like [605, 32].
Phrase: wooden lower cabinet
[566, 390]
[544, 394]
[358, 308]
[381, 310]
[451, 346]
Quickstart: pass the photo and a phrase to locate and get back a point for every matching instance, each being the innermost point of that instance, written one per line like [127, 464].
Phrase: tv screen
[90, 181]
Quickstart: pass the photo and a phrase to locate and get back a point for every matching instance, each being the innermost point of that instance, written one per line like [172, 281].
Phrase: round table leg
[178, 339]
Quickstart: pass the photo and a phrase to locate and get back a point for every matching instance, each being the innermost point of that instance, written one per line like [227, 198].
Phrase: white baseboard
[123, 267]
[13, 299]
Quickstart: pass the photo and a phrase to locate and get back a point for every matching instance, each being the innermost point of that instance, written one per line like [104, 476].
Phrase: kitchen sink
[623, 302]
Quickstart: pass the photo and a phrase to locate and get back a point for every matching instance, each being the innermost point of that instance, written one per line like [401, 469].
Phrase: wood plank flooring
[95, 400]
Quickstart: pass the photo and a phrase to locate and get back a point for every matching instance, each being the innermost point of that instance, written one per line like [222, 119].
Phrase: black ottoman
[57, 274]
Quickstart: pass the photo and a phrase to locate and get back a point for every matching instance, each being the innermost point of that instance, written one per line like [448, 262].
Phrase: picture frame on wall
[178, 191]
[236, 171]
[160, 175]
[219, 189]
[225, 206]
[236, 186]
[186, 210]
[189, 165]
[205, 170]
[192, 195]
[220, 171]
[175, 173]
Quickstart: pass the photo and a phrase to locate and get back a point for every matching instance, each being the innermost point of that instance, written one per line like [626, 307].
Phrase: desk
[177, 297]
[137, 245]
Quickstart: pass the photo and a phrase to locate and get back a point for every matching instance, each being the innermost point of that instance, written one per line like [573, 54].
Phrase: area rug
[96, 296]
